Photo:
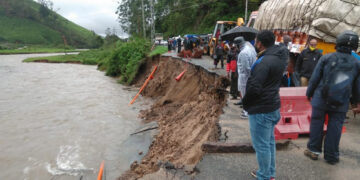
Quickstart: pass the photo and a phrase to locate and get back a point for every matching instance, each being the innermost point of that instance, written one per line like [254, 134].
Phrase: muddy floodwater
[59, 121]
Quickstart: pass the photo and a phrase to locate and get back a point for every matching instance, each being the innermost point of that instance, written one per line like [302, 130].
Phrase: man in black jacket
[179, 44]
[336, 78]
[262, 101]
[306, 62]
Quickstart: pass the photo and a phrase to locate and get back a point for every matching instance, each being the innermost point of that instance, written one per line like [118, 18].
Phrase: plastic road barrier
[295, 114]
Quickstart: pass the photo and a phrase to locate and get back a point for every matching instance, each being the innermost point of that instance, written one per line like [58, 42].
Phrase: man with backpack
[335, 82]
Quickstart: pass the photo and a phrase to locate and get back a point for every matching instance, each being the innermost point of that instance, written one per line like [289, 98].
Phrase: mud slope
[187, 113]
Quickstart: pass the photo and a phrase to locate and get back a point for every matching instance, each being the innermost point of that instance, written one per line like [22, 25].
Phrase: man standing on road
[232, 73]
[262, 101]
[335, 80]
[179, 44]
[219, 52]
[245, 60]
[307, 61]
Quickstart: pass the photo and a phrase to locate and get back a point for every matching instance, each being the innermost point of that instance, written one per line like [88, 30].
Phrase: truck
[321, 20]
[303, 20]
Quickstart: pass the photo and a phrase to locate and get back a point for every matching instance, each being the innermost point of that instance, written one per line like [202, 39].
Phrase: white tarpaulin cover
[324, 19]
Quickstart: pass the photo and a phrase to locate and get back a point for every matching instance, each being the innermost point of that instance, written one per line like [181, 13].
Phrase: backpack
[338, 82]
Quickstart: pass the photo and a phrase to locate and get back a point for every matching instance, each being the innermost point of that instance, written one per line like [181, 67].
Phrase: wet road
[59, 121]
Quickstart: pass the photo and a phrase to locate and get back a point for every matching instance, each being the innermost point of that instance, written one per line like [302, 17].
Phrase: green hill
[29, 23]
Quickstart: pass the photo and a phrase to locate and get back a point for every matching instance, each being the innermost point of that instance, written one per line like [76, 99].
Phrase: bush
[124, 60]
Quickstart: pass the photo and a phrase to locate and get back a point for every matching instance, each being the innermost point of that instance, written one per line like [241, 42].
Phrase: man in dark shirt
[307, 61]
[262, 101]
[179, 44]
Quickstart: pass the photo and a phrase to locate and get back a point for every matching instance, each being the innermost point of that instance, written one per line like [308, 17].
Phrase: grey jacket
[246, 59]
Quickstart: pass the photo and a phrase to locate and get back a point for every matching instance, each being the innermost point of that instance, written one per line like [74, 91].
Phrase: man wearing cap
[245, 60]
[335, 82]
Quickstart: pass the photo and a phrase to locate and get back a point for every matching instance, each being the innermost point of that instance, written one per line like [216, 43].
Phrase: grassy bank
[159, 50]
[91, 57]
[119, 60]
[35, 50]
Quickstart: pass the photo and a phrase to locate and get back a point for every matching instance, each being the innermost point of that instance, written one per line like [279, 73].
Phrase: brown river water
[59, 121]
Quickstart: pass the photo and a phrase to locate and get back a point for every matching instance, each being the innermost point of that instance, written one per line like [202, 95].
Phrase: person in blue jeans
[262, 101]
[334, 83]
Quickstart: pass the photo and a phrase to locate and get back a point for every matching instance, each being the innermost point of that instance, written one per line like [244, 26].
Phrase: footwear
[233, 98]
[311, 155]
[244, 116]
[253, 173]
[238, 103]
[333, 162]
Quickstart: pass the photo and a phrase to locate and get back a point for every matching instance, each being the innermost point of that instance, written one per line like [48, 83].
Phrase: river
[59, 121]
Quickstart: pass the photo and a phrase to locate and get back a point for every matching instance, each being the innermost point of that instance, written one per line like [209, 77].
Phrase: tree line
[178, 17]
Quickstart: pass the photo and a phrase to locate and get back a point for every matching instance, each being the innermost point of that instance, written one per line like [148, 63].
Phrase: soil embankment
[48, 61]
[187, 113]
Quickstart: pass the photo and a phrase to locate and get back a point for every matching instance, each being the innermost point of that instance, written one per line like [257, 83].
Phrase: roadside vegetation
[158, 50]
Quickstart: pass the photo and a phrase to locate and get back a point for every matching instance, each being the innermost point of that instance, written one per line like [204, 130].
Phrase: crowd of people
[256, 73]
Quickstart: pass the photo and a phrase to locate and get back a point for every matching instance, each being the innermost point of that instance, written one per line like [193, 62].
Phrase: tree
[47, 3]
[181, 16]
[108, 31]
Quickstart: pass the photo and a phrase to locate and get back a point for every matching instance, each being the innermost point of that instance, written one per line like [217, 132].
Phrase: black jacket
[306, 62]
[219, 51]
[323, 70]
[262, 88]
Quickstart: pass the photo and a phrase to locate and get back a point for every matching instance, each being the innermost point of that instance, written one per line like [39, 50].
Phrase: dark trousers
[234, 85]
[179, 49]
[219, 58]
[333, 134]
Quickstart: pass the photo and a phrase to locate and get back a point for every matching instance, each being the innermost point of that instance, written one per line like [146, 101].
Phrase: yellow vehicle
[220, 28]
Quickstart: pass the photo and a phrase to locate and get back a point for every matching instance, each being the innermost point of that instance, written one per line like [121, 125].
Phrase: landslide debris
[187, 113]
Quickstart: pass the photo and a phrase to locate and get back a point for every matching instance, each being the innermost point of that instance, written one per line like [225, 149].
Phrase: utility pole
[152, 21]
[246, 10]
[143, 18]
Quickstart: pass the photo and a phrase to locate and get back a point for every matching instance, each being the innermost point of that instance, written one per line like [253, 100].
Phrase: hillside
[29, 23]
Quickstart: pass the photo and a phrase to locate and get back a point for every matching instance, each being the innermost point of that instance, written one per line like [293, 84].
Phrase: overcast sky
[94, 15]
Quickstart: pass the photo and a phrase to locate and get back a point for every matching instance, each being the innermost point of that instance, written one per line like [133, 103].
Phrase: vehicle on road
[220, 28]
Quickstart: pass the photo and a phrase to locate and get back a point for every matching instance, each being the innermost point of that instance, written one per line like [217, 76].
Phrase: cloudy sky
[95, 15]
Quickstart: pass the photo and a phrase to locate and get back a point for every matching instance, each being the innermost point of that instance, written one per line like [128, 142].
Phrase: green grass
[56, 59]
[13, 29]
[158, 50]
[33, 50]
[22, 22]
[91, 57]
